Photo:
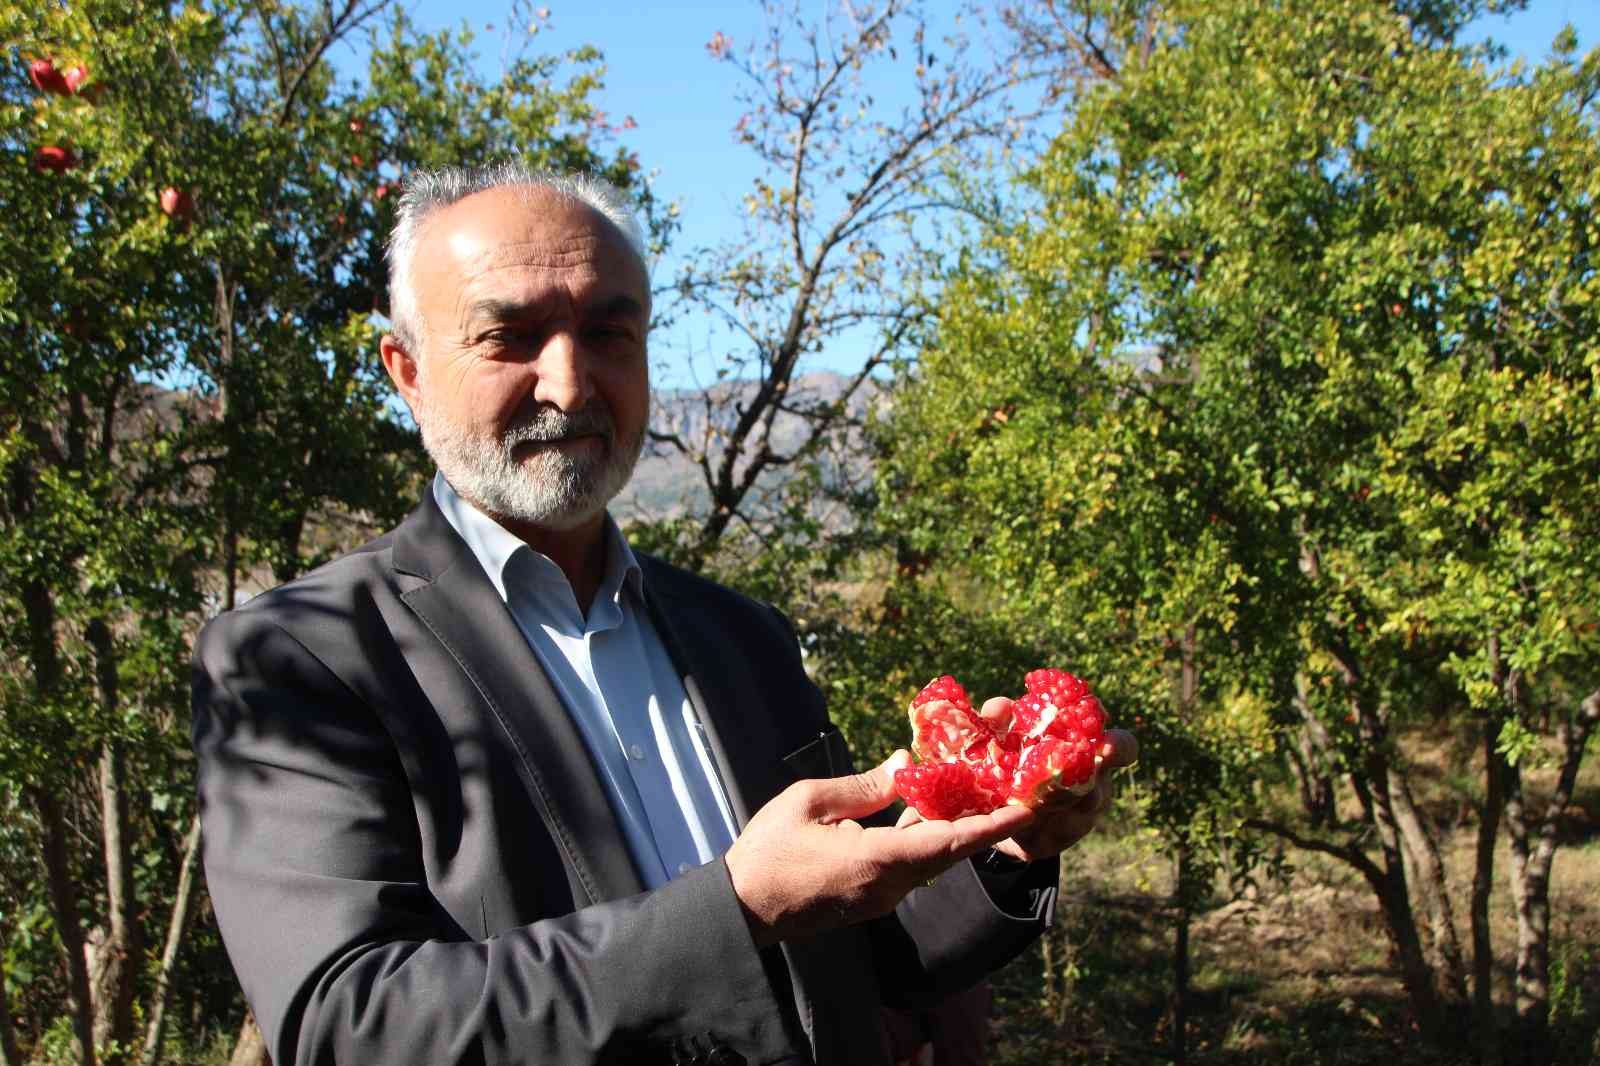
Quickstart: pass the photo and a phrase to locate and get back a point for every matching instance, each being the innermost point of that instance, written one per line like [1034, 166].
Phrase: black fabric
[412, 858]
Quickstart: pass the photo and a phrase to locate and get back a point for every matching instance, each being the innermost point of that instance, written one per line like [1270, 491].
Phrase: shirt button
[684, 867]
[636, 753]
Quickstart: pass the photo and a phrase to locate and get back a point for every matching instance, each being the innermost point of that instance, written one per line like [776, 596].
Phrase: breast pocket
[825, 755]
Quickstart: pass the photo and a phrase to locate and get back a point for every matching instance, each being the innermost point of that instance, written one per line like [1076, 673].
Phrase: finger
[855, 795]
[1093, 802]
[1121, 749]
[996, 712]
[1014, 850]
[909, 816]
[1098, 801]
[943, 843]
[1066, 799]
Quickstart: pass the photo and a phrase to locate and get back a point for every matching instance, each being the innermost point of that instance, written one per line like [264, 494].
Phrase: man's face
[531, 387]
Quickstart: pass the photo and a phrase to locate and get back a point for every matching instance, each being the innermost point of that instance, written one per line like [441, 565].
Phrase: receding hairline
[429, 194]
[529, 196]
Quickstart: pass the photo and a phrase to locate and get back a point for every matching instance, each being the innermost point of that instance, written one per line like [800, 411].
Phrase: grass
[1296, 971]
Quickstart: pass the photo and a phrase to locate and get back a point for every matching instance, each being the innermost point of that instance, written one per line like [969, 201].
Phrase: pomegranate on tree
[47, 79]
[176, 203]
[1050, 740]
[56, 158]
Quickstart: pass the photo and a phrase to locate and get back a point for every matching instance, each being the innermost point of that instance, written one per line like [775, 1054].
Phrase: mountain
[667, 483]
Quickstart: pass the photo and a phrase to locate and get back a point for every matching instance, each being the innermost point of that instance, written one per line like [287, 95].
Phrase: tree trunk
[1052, 996]
[251, 1047]
[1184, 894]
[1370, 780]
[1184, 888]
[1310, 758]
[1484, 1024]
[1388, 884]
[39, 605]
[9, 1055]
[1533, 850]
[1530, 893]
[64, 903]
[1180, 989]
[1415, 973]
[1393, 894]
[116, 956]
[1427, 873]
[182, 904]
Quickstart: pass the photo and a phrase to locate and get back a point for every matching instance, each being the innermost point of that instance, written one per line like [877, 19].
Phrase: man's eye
[506, 337]
[610, 331]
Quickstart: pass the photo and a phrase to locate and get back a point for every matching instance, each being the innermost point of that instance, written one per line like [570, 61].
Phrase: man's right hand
[804, 865]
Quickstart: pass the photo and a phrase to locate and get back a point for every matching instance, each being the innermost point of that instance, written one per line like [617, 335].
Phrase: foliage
[1286, 398]
[191, 407]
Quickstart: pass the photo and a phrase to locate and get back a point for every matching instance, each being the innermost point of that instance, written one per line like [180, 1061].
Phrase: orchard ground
[1295, 969]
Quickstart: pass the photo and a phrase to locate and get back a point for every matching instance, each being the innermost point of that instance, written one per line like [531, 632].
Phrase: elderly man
[495, 789]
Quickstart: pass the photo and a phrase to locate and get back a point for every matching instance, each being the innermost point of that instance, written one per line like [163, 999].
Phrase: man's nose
[563, 380]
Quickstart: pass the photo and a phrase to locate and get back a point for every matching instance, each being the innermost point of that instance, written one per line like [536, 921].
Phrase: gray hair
[428, 191]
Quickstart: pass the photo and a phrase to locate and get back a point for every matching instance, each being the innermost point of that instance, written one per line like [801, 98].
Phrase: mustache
[544, 424]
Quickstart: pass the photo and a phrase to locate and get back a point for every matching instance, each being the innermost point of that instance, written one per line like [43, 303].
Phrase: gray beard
[546, 488]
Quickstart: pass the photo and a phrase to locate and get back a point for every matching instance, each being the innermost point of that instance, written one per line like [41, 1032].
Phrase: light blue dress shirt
[621, 688]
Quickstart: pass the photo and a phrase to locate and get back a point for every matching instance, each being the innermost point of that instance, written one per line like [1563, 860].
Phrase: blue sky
[658, 71]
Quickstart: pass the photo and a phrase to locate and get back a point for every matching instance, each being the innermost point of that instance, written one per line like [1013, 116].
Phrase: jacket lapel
[456, 602]
[830, 977]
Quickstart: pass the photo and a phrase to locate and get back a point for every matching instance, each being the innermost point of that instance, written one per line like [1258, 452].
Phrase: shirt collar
[494, 546]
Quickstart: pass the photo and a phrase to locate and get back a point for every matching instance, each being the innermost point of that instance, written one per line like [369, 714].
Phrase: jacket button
[722, 1055]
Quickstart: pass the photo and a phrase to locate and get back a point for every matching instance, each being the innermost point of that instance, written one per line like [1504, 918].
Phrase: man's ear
[403, 368]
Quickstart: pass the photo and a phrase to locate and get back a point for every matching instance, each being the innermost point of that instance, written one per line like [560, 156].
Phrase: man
[492, 789]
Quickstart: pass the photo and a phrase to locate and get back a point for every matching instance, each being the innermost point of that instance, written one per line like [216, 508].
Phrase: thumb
[856, 795]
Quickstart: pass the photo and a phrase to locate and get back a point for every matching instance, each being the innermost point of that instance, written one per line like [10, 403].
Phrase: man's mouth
[566, 442]
[551, 430]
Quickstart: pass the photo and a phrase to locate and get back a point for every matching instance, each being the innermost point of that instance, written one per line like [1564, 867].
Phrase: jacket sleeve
[949, 935]
[313, 861]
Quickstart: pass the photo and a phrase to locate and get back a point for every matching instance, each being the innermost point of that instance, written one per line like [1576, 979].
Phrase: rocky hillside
[667, 483]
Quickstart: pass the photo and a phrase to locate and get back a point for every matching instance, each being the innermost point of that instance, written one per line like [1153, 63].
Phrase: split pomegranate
[1052, 740]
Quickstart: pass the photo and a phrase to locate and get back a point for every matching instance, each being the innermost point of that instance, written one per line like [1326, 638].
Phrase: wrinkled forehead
[529, 228]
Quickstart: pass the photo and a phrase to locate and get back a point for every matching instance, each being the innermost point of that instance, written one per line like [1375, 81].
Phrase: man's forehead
[514, 226]
[478, 251]
[525, 228]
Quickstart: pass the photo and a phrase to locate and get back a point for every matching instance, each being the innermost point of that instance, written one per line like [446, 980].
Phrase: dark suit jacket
[412, 859]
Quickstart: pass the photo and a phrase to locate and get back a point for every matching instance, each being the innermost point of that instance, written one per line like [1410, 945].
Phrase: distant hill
[667, 484]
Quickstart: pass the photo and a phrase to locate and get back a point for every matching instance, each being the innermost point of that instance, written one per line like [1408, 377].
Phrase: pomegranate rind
[942, 730]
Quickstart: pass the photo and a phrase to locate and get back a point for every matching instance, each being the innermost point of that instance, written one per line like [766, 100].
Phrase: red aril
[944, 790]
[1053, 742]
